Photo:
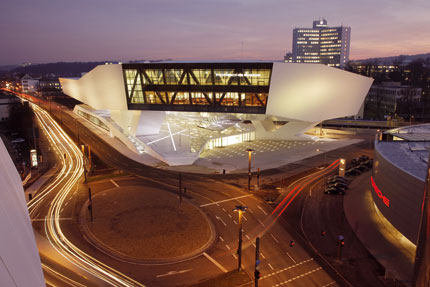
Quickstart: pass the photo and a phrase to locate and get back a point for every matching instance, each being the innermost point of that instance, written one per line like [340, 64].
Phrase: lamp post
[241, 209]
[249, 167]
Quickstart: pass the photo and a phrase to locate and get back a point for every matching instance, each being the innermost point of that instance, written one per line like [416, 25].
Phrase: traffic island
[146, 225]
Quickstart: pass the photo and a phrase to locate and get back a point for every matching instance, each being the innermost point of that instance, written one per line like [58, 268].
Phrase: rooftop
[408, 148]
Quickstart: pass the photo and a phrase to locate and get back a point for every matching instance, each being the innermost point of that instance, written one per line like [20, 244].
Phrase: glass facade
[210, 87]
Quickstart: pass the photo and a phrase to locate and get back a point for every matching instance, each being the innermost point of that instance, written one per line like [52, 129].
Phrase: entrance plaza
[191, 113]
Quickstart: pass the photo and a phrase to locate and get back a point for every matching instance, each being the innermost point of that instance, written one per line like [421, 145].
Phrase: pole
[239, 249]
[249, 169]
[180, 187]
[258, 177]
[90, 204]
[257, 261]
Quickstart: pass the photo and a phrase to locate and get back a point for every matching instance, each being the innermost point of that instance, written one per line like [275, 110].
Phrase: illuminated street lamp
[241, 209]
[249, 167]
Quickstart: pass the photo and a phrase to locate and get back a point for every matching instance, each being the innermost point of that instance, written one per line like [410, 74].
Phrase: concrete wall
[313, 93]
[20, 263]
[405, 193]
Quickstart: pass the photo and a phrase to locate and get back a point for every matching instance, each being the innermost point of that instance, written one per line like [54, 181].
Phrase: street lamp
[249, 167]
[241, 209]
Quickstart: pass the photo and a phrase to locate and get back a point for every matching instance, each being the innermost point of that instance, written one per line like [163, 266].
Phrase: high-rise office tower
[321, 44]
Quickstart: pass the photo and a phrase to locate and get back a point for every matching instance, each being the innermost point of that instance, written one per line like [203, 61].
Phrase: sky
[43, 31]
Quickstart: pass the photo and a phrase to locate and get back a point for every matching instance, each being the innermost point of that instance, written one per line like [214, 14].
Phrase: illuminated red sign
[385, 200]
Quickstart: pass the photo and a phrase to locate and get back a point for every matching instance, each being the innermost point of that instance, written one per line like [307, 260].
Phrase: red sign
[385, 200]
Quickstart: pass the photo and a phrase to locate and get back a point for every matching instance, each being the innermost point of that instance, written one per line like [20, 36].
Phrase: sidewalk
[391, 249]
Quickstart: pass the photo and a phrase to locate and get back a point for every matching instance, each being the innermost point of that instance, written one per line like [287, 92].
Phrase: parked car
[339, 184]
[334, 190]
[352, 171]
[337, 179]
[355, 160]
[362, 167]
[363, 158]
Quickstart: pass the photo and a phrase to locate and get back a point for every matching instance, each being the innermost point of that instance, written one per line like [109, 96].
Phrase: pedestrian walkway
[388, 246]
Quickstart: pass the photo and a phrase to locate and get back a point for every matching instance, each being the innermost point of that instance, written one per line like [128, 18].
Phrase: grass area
[230, 279]
[148, 223]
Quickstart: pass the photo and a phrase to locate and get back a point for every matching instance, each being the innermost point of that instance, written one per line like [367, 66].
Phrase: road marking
[247, 237]
[234, 255]
[253, 244]
[114, 183]
[235, 222]
[274, 238]
[262, 255]
[215, 262]
[260, 222]
[228, 247]
[328, 284]
[244, 217]
[271, 267]
[222, 239]
[66, 204]
[225, 200]
[223, 209]
[294, 261]
[298, 277]
[229, 215]
[173, 273]
[287, 268]
[220, 219]
[265, 213]
[61, 209]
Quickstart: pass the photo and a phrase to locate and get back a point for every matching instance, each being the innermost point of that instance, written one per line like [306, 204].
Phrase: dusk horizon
[186, 30]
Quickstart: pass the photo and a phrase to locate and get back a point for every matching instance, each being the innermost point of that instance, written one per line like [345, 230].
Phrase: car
[362, 167]
[337, 179]
[339, 184]
[355, 160]
[334, 190]
[363, 158]
[352, 171]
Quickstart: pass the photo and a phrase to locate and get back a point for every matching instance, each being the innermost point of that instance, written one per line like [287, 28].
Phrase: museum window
[155, 76]
[203, 76]
[173, 76]
[225, 77]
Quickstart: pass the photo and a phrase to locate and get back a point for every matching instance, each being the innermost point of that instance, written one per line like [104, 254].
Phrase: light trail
[60, 187]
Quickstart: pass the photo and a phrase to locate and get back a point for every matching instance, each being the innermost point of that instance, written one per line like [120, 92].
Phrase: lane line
[247, 236]
[114, 183]
[235, 222]
[260, 222]
[274, 238]
[262, 255]
[215, 262]
[294, 261]
[225, 200]
[244, 217]
[328, 284]
[259, 207]
[298, 277]
[220, 219]
[229, 215]
[228, 247]
[271, 267]
[287, 268]
[222, 239]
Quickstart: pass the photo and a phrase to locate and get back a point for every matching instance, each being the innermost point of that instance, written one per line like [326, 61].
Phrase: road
[56, 208]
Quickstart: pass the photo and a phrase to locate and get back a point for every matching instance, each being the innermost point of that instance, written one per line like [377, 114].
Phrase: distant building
[29, 84]
[321, 45]
[388, 99]
[49, 86]
[5, 103]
